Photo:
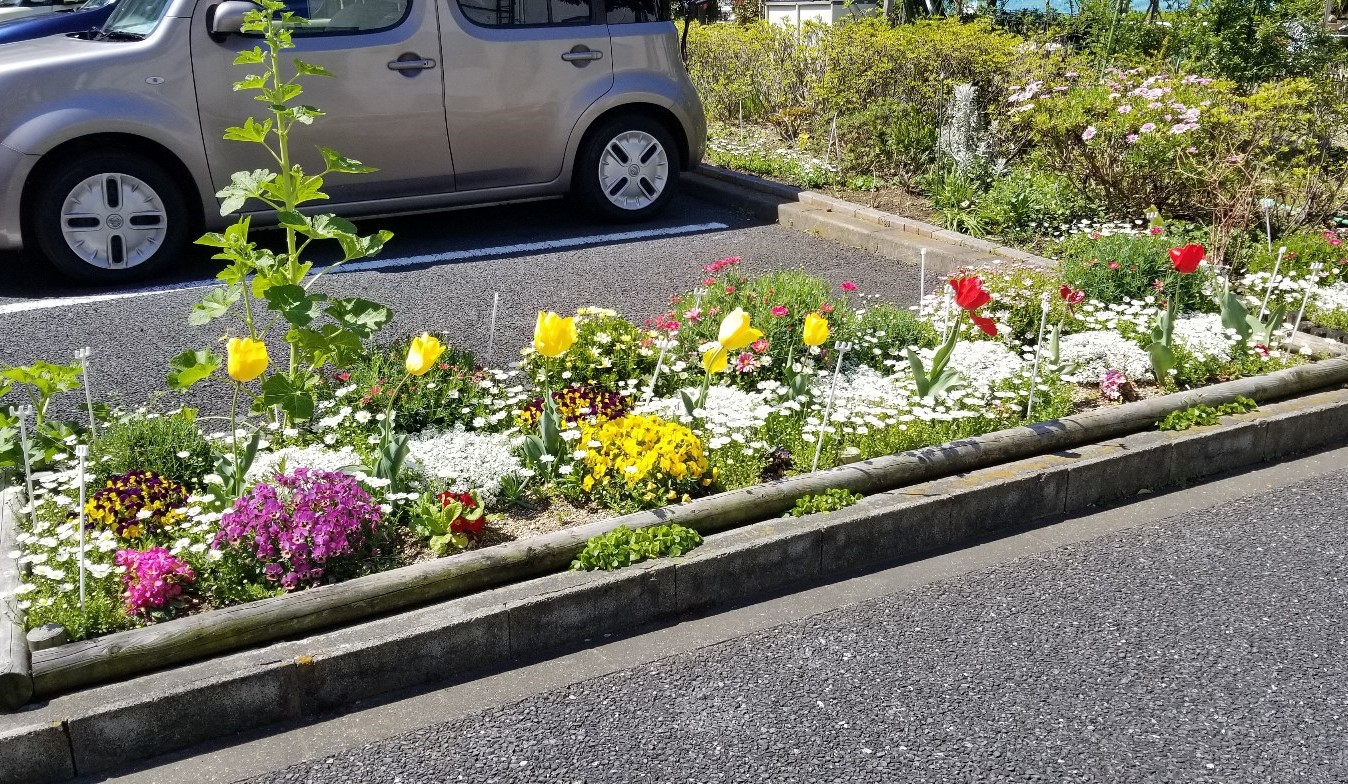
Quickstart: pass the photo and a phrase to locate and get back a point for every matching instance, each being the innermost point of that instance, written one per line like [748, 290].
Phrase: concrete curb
[877, 231]
[102, 728]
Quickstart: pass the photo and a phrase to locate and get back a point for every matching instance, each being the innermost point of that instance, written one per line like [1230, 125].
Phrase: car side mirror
[227, 18]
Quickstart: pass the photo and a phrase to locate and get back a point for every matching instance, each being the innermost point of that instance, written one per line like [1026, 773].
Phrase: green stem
[235, 480]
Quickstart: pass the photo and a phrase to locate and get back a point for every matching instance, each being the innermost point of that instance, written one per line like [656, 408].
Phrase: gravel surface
[133, 339]
[1208, 647]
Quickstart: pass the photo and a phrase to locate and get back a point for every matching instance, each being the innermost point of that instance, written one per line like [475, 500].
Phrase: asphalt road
[1199, 635]
[1208, 647]
[432, 284]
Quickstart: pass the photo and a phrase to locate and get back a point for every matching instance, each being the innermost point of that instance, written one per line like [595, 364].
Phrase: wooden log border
[137, 651]
[16, 671]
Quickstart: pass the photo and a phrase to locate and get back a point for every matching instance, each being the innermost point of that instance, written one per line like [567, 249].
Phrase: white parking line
[389, 263]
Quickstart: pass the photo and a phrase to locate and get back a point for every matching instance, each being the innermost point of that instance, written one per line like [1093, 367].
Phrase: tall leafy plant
[272, 292]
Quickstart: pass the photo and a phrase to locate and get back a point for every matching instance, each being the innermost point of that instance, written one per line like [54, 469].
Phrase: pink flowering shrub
[1192, 146]
[154, 580]
[302, 526]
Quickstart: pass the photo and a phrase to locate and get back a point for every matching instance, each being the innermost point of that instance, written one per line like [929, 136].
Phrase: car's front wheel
[627, 170]
[107, 218]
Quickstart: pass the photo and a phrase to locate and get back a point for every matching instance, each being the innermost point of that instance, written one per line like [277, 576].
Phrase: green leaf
[214, 305]
[190, 367]
[361, 316]
[298, 306]
[251, 82]
[329, 343]
[249, 57]
[242, 187]
[340, 163]
[309, 69]
[363, 247]
[296, 401]
[250, 131]
[1162, 360]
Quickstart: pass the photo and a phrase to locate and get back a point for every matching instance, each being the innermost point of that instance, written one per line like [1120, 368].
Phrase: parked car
[22, 9]
[111, 148]
[73, 19]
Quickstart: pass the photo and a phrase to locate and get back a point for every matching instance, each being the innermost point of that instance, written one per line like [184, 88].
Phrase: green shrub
[1118, 267]
[1028, 201]
[884, 331]
[623, 547]
[171, 446]
[955, 197]
[1192, 147]
[831, 500]
[888, 139]
[1304, 248]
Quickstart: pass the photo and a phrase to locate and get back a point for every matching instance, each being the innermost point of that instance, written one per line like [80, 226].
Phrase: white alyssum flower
[465, 461]
[314, 458]
[1085, 356]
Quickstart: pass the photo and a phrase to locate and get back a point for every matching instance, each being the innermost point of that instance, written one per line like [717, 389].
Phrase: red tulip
[1187, 258]
[985, 324]
[969, 293]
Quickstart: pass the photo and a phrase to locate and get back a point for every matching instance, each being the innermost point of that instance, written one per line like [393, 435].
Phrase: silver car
[111, 147]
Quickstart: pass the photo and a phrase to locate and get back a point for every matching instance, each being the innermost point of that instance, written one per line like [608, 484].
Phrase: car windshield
[92, 4]
[135, 18]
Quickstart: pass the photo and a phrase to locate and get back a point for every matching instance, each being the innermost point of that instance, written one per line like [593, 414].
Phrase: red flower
[848, 285]
[779, 311]
[1187, 258]
[970, 294]
[1113, 265]
[1071, 296]
[826, 308]
[985, 324]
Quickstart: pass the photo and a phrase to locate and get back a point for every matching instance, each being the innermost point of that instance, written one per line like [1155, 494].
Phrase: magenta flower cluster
[300, 524]
[152, 579]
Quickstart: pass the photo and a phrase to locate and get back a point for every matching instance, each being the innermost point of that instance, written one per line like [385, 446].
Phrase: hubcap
[113, 221]
[633, 170]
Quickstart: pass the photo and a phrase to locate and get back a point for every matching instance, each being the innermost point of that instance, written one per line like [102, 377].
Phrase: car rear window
[633, 11]
[526, 13]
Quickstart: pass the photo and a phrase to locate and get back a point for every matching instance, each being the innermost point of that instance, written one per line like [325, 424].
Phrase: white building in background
[797, 12]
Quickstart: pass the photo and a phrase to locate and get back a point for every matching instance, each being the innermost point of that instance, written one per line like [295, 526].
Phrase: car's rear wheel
[627, 169]
[107, 218]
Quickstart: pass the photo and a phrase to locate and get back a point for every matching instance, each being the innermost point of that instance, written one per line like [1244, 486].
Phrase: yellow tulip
[553, 335]
[816, 330]
[735, 331]
[715, 359]
[246, 359]
[423, 353]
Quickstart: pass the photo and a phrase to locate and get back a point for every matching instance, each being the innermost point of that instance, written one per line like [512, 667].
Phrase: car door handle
[411, 65]
[582, 55]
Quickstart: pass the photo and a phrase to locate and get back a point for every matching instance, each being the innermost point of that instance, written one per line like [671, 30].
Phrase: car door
[384, 105]
[518, 76]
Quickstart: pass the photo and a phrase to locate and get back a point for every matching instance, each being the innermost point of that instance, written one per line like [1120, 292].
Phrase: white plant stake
[491, 328]
[828, 406]
[1305, 298]
[81, 452]
[1267, 204]
[1263, 306]
[921, 278]
[1038, 349]
[22, 413]
[83, 356]
[698, 293]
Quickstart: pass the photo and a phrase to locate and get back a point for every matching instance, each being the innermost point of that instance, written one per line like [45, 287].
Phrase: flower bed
[744, 379]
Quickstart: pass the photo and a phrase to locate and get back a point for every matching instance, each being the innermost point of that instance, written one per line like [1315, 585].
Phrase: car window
[526, 13]
[344, 17]
[632, 11]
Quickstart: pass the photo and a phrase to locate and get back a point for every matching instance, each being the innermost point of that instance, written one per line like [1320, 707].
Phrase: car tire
[627, 169]
[109, 217]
